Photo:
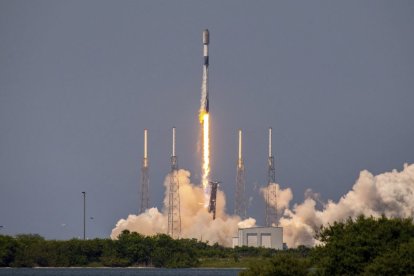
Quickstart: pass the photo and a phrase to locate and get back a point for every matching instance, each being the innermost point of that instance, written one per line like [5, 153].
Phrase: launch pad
[210, 188]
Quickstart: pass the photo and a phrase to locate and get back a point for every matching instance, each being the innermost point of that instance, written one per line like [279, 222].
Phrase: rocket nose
[206, 36]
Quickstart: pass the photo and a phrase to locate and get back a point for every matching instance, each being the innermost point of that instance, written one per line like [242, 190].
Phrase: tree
[28, 250]
[348, 247]
[134, 247]
[8, 247]
[281, 264]
[394, 262]
[173, 253]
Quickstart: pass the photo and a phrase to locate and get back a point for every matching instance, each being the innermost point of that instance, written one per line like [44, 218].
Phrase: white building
[268, 237]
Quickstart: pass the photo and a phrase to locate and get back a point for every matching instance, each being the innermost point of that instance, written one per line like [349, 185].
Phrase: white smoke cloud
[196, 222]
[390, 193]
[281, 199]
[247, 223]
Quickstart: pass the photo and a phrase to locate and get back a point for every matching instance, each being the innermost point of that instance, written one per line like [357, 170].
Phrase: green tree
[28, 250]
[8, 247]
[134, 247]
[347, 247]
[111, 256]
[394, 262]
[173, 253]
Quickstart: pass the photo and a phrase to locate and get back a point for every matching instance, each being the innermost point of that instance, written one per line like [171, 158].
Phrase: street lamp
[84, 215]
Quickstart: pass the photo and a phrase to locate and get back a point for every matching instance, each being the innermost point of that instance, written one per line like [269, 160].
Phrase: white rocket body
[204, 85]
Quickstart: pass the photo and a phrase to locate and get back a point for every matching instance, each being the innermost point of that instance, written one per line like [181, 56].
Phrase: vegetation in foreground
[364, 246]
[131, 249]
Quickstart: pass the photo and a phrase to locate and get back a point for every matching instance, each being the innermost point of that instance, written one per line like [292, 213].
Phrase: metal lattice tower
[174, 213]
[145, 176]
[240, 201]
[271, 192]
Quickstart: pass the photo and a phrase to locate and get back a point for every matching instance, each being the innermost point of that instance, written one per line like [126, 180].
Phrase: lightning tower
[271, 193]
[240, 202]
[145, 176]
[174, 213]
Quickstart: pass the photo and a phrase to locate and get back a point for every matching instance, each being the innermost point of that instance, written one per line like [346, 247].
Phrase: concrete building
[268, 237]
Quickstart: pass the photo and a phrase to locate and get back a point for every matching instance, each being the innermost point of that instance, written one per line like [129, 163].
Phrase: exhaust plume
[390, 194]
[196, 221]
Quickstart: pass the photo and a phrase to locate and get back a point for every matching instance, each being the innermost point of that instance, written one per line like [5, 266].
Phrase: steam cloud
[390, 194]
[196, 222]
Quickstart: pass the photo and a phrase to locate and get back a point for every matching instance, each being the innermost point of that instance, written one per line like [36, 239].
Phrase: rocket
[204, 96]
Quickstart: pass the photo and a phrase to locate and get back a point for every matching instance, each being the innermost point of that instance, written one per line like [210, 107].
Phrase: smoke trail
[196, 222]
[390, 193]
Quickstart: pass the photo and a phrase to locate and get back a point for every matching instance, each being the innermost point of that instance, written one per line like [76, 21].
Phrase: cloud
[390, 194]
[196, 221]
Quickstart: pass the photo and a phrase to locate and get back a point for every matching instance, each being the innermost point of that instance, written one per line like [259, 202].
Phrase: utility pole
[84, 215]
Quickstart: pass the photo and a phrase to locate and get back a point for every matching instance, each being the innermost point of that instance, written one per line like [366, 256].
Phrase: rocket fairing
[204, 100]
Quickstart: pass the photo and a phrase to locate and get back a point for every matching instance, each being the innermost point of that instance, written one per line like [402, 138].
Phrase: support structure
[145, 176]
[213, 198]
[84, 215]
[240, 201]
[174, 212]
[271, 192]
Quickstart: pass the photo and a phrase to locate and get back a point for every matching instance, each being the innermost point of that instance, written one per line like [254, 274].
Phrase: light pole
[84, 215]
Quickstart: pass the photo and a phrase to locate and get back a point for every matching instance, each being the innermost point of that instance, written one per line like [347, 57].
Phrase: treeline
[364, 246]
[131, 249]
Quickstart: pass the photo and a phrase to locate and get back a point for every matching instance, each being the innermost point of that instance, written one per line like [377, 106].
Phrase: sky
[80, 80]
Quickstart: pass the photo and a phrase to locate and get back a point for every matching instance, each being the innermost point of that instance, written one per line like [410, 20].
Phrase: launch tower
[174, 213]
[271, 193]
[145, 176]
[240, 201]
